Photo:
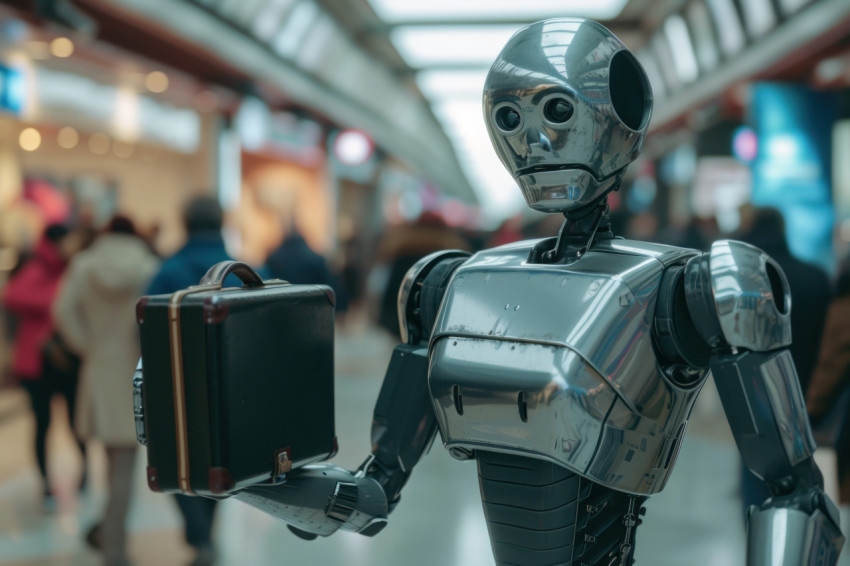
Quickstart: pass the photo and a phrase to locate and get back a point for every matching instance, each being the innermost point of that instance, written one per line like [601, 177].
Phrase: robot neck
[581, 228]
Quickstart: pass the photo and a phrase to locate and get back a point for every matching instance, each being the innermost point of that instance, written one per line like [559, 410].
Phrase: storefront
[83, 137]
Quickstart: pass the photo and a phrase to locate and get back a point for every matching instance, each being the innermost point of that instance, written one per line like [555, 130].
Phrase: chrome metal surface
[307, 495]
[567, 107]
[791, 537]
[752, 296]
[786, 399]
[139, 405]
[415, 275]
[570, 349]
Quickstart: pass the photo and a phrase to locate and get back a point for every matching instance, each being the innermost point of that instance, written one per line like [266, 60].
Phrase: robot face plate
[567, 107]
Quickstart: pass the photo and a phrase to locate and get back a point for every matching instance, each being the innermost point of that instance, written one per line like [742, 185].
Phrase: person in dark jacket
[826, 399]
[811, 293]
[294, 261]
[204, 247]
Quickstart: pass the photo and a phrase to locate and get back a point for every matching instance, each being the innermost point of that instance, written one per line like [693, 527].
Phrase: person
[39, 362]
[831, 375]
[810, 292]
[294, 261]
[95, 315]
[400, 249]
[203, 219]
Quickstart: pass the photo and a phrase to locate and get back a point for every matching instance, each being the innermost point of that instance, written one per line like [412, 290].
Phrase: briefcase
[236, 385]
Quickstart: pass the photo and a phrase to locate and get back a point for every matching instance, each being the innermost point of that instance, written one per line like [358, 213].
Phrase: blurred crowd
[69, 313]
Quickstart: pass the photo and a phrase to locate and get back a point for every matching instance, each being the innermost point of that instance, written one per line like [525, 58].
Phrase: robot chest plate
[600, 308]
[557, 362]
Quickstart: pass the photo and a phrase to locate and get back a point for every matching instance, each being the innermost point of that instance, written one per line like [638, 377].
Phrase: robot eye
[508, 118]
[558, 110]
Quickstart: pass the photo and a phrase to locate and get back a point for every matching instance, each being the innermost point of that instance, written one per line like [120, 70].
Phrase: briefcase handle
[217, 273]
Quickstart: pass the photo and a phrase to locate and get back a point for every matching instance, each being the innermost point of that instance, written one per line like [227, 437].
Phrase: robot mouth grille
[545, 168]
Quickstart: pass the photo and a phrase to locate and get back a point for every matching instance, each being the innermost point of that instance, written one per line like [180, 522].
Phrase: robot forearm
[761, 395]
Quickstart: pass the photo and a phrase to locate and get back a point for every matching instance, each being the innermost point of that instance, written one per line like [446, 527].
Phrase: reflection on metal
[595, 399]
[413, 279]
[551, 95]
[786, 399]
[785, 537]
[754, 309]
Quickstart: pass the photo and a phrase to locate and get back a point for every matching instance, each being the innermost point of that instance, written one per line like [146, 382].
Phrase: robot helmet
[567, 107]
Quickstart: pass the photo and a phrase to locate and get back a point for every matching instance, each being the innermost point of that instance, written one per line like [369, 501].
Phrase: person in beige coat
[95, 314]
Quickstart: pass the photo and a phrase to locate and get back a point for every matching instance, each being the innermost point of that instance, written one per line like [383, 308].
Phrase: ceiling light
[452, 83]
[29, 139]
[423, 46]
[157, 81]
[62, 47]
[456, 10]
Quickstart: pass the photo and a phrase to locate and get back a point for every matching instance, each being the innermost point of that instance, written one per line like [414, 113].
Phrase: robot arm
[739, 304]
[321, 499]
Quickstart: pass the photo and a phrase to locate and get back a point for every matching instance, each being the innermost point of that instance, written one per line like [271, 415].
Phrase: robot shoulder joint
[421, 293]
[738, 297]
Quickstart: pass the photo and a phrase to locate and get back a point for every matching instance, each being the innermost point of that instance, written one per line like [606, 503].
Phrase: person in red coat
[28, 296]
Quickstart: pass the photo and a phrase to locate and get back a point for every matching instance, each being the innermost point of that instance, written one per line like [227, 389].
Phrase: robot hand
[808, 529]
[318, 500]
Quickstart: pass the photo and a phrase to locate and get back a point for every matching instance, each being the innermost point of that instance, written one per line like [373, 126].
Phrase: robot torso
[557, 362]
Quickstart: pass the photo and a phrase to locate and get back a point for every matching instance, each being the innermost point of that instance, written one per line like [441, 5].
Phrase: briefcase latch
[282, 461]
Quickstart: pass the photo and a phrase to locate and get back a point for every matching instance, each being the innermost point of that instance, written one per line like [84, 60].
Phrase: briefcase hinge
[138, 405]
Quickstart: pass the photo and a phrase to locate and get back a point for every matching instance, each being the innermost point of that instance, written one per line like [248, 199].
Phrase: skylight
[424, 46]
[492, 10]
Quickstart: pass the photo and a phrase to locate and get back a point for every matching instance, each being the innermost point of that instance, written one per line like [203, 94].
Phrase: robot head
[567, 107]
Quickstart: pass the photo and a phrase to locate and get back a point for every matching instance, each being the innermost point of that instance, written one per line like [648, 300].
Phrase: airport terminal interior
[338, 142]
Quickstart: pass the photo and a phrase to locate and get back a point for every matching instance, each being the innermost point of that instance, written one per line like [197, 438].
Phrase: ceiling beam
[421, 142]
[824, 22]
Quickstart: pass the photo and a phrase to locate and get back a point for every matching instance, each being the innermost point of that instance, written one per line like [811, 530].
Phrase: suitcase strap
[178, 383]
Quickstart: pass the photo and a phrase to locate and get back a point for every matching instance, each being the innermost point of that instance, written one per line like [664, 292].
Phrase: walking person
[28, 296]
[95, 314]
[294, 261]
[203, 219]
[825, 399]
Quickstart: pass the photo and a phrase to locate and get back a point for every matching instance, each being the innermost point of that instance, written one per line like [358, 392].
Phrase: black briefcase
[237, 383]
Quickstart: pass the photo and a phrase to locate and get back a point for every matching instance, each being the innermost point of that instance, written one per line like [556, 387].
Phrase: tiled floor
[695, 521]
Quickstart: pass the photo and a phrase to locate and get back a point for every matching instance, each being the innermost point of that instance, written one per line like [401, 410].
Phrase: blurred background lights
[844, 230]
[783, 146]
[156, 81]
[68, 137]
[353, 147]
[29, 139]
[61, 47]
[745, 144]
[99, 143]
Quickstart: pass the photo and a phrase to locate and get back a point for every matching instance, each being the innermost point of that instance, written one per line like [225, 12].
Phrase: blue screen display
[792, 169]
[12, 89]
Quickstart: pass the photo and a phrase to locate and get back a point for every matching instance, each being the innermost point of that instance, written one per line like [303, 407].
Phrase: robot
[567, 367]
